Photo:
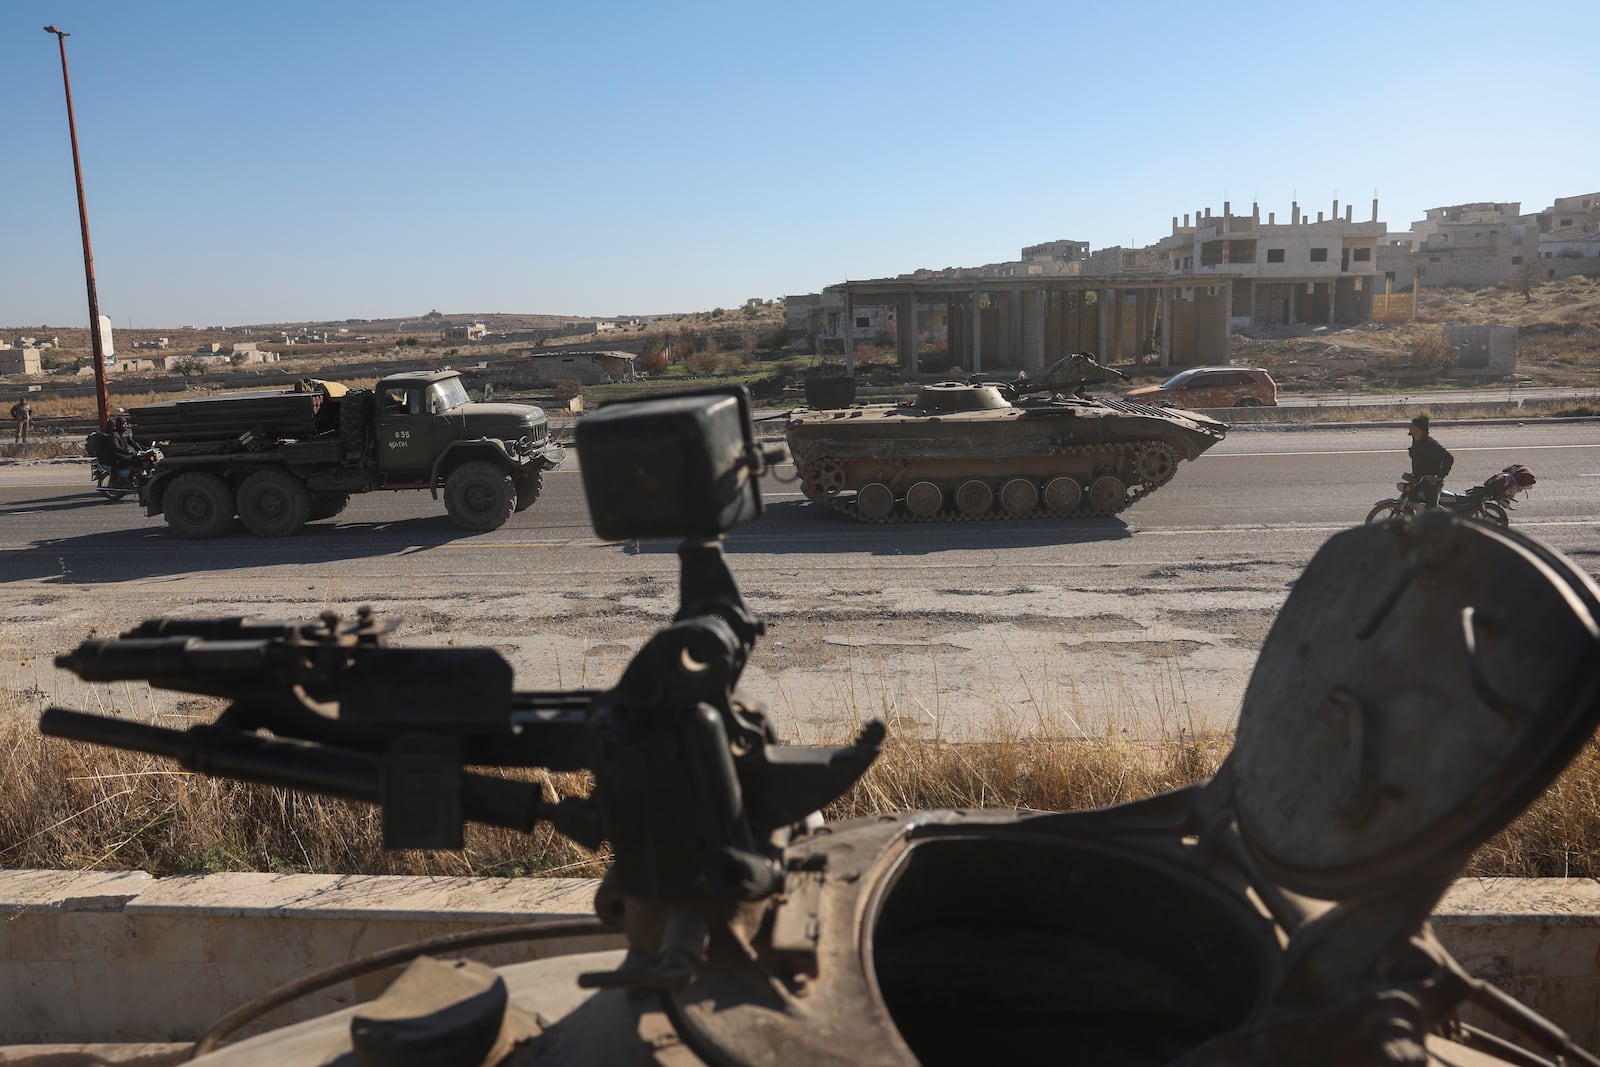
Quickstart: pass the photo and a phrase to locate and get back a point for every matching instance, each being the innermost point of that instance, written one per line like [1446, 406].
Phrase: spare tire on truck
[355, 419]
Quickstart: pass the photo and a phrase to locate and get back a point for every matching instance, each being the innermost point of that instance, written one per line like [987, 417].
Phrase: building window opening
[1363, 255]
[1274, 255]
[1319, 255]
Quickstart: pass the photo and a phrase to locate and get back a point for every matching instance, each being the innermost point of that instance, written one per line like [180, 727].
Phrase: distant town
[1176, 301]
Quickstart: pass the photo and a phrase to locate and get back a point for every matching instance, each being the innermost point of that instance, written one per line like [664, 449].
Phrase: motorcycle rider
[1430, 462]
[124, 452]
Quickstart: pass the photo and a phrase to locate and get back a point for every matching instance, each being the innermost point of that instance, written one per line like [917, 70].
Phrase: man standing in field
[22, 415]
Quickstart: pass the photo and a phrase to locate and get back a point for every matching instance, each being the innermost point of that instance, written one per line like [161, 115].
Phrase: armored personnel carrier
[970, 450]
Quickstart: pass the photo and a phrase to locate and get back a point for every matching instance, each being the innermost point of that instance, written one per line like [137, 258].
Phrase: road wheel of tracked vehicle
[1107, 495]
[529, 486]
[1386, 509]
[875, 501]
[273, 503]
[923, 499]
[327, 505]
[974, 497]
[1062, 496]
[824, 479]
[480, 496]
[1155, 463]
[1019, 496]
[1494, 513]
[198, 505]
[355, 418]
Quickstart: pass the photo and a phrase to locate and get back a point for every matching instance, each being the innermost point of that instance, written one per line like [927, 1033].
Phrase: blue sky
[252, 163]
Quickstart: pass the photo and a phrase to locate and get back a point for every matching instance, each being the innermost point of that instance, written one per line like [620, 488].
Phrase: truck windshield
[442, 396]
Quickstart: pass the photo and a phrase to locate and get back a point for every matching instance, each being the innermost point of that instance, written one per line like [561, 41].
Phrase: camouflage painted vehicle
[1023, 450]
[1276, 914]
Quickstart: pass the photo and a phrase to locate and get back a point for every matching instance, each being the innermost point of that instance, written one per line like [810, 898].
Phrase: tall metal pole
[95, 340]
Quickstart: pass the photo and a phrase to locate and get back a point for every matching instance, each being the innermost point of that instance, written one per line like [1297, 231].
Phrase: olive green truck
[279, 459]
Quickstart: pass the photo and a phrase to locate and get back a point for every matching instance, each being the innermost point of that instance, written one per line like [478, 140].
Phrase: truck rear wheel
[480, 496]
[529, 486]
[327, 505]
[273, 503]
[198, 505]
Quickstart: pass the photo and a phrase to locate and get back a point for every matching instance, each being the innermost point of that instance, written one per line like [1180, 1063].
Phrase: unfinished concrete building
[1302, 272]
[1025, 315]
[1569, 237]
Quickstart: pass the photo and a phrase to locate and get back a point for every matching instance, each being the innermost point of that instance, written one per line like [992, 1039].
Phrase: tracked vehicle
[961, 450]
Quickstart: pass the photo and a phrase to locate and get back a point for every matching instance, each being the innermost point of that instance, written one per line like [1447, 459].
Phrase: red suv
[1212, 387]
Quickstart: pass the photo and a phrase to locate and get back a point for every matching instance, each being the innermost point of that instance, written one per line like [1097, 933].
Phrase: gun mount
[1276, 914]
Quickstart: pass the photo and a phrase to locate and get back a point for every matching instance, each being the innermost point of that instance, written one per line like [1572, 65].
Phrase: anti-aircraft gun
[1276, 914]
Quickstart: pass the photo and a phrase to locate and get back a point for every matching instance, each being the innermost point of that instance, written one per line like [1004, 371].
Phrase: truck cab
[419, 417]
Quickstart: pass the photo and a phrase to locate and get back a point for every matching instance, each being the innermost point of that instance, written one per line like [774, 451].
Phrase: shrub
[1431, 352]
[654, 361]
[701, 363]
[566, 390]
[186, 366]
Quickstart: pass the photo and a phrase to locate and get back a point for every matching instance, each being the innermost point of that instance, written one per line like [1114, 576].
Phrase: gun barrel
[114, 733]
[135, 658]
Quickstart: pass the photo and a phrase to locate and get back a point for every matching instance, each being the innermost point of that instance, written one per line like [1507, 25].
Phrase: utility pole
[95, 340]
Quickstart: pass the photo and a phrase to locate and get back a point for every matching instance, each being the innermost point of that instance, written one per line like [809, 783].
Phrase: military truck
[281, 458]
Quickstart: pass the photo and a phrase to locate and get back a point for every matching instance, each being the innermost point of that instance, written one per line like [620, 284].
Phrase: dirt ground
[1559, 342]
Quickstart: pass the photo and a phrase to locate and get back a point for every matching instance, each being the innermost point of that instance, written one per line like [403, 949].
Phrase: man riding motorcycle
[1430, 462]
[121, 452]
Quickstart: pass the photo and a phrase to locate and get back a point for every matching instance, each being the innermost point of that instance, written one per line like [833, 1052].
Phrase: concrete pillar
[977, 331]
[1116, 329]
[849, 331]
[1333, 295]
[1227, 323]
[1033, 330]
[1294, 303]
[906, 330]
[1102, 309]
[1013, 352]
[1166, 326]
[1252, 301]
[1002, 325]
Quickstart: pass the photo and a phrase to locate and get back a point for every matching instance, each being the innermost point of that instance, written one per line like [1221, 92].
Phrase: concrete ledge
[127, 957]
[122, 956]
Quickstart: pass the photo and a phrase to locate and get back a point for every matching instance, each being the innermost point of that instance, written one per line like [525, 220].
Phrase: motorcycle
[1489, 502]
[115, 478]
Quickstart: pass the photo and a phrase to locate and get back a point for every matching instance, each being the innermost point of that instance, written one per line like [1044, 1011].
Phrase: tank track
[1122, 455]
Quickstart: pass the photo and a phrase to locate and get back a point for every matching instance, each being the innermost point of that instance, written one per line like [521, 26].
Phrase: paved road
[1498, 394]
[1144, 623]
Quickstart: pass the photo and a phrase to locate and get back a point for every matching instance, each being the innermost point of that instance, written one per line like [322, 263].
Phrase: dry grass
[80, 807]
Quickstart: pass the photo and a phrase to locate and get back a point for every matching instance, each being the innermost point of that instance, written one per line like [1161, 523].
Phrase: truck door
[405, 431]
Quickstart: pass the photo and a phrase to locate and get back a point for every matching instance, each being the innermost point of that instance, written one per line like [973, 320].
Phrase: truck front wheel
[273, 503]
[529, 486]
[479, 496]
[198, 505]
